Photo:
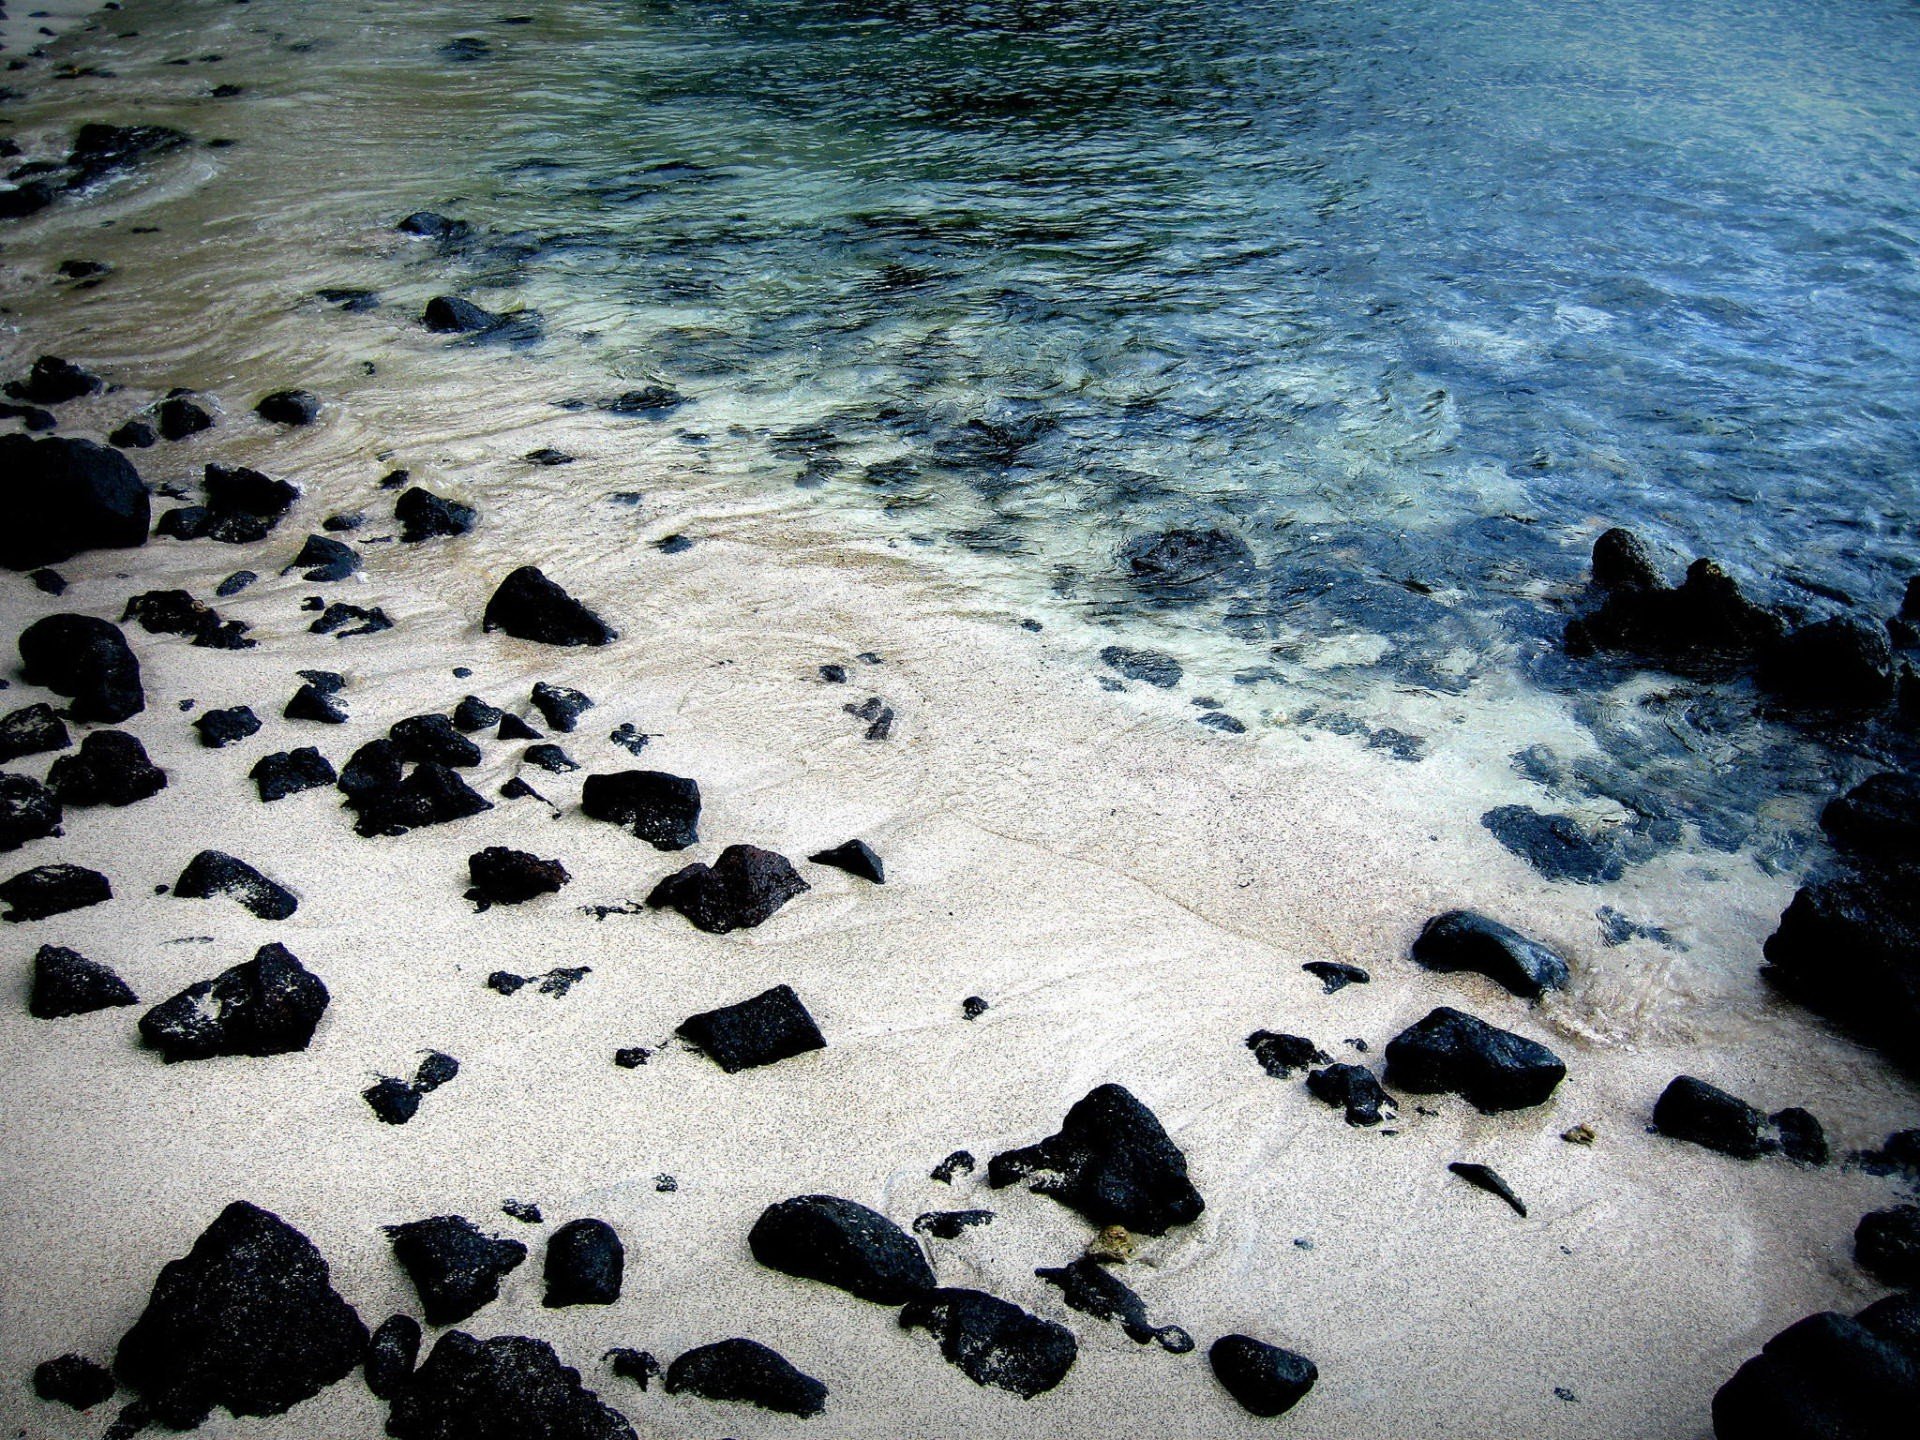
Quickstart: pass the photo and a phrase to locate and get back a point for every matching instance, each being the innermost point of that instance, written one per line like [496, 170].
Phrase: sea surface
[1400, 305]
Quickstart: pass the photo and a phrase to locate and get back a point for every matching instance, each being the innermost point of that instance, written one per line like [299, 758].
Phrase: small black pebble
[973, 1007]
[632, 1057]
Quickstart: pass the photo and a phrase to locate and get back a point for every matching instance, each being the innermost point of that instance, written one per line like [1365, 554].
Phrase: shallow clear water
[1411, 300]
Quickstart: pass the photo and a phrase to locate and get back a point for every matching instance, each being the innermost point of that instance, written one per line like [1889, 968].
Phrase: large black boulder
[1111, 1161]
[746, 1370]
[88, 660]
[244, 505]
[269, 1005]
[767, 1028]
[1822, 1378]
[425, 516]
[66, 983]
[585, 1263]
[1849, 949]
[53, 890]
[213, 872]
[53, 381]
[63, 496]
[455, 1266]
[508, 1388]
[741, 889]
[28, 811]
[1493, 1069]
[284, 772]
[661, 809]
[842, 1243]
[110, 768]
[1464, 940]
[993, 1341]
[529, 606]
[32, 730]
[1877, 821]
[1704, 626]
[248, 1319]
[1837, 664]
[1265, 1379]
[1691, 1109]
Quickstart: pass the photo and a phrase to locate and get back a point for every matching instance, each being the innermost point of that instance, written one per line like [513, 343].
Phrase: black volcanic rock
[1352, 1088]
[551, 758]
[1825, 1377]
[66, 983]
[1837, 664]
[73, 1381]
[1887, 1244]
[1878, 820]
[1093, 1289]
[638, 1366]
[175, 612]
[1557, 846]
[1111, 1161]
[433, 737]
[87, 659]
[661, 809]
[512, 877]
[454, 1265]
[856, 857]
[32, 730]
[53, 381]
[1464, 940]
[101, 150]
[52, 890]
[64, 497]
[585, 1263]
[1849, 949]
[344, 621]
[110, 768]
[1281, 1054]
[769, 1027]
[219, 728]
[213, 872]
[317, 699]
[1265, 1379]
[180, 415]
[841, 1243]
[473, 713]
[1335, 975]
[391, 1355]
[529, 606]
[1491, 1068]
[248, 1319]
[1705, 625]
[28, 811]
[1154, 667]
[452, 315]
[431, 794]
[560, 707]
[740, 890]
[323, 560]
[745, 1370]
[431, 225]
[949, 1224]
[426, 516]
[1485, 1177]
[992, 1341]
[243, 505]
[289, 407]
[269, 1005]
[1692, 1110]
[1185, 564]
[508, 1388]
[288, 772]
[512, 727]
[393, 1101]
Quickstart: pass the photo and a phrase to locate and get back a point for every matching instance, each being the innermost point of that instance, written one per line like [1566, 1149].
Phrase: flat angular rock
[1463, 940]
[65, 497]
[1335, 975]
[87, 659]
[1850, 950]
[745, 1370]
[1265, 1379]
[841, 1243]
[740, 890]
[1281, 1054]
[32, 730]
[560, 707]
[507, 1388]
[1093, 1289]
[512, 727]
[1153, 667]
[1557, 846]
[1887, 1244]
[391, 1355]
[248, 1319]
[52, 890]
[289, 407]
[454, 1265]
[856, 857]
[770, 1027]
[288, 772]
[1352, 1088]
[512, 877]
[585, 1263]
[66, 983]
[110, 768]
[661, 809]
[28, 811]
[318, 699]
[424, 515]
[1692, 1110]
[433, 737]
[220, 728]
[452, 315]
[73, 1381]
[1821, 1378]
[269, 1005]
[1491, 1068]
[994, 1342]
[324, 560]
[1111, 1161]
[529, 606]
[213, 872]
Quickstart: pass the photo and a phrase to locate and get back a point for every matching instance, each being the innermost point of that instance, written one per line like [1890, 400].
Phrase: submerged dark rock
[507, 1388]
[1837, 664]
[181, 415]
[289, 407]
[1280, 1054]
[1111, 1161]
[741, 889]
[1154, 667]
[73, 1381]
[769, 1027]
[1093, 1289]
[66, 983]
[745, 1370]
[391, 1355]
[1486, 1178]
[841, 1243]
[426, 516]
[454, 1265]
[1265, 1379]
[585, 1263]
[110, 768]
[1555, 845]
[453, 315]
[1464, 940]
[213, 872]
[992, 1341]
[52, 890]
[529, 606]
[87, 659]
[269, 1005]
[1703, 626]
[248, 1319]
[856, 857]
[1185, 564]
[227, 727]
[101, 150]
[28, 811]
[512, 877]
[32, 730]
[1491, 1068]
[65, 497]
[1352, 1088]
